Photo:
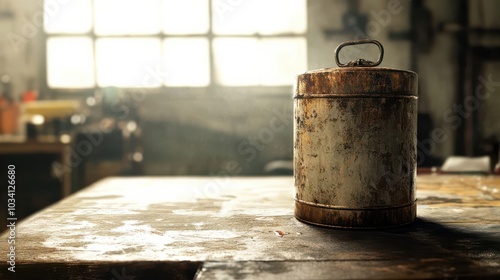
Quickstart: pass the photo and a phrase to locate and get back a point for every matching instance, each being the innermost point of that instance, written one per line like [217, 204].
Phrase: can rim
[357, 80]
[358, 69]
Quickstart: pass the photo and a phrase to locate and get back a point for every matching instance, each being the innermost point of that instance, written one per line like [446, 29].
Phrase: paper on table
[467, 164]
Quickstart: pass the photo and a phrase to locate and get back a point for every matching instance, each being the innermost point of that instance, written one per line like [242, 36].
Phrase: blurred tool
[48, 115]
[9, 108]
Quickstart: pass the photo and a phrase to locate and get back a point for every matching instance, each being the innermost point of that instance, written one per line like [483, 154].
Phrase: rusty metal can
[355, 144]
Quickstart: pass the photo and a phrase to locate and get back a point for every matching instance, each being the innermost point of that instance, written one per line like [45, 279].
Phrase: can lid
[357, 78]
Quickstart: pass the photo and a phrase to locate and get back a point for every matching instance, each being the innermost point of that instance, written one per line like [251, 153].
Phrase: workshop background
[91, 89]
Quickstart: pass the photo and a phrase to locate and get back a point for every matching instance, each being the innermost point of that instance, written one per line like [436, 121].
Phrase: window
[194, 43]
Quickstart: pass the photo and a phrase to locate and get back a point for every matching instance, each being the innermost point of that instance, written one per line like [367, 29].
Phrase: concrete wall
[438, 74]
[21, 35]
[202, 131]
[485, 14]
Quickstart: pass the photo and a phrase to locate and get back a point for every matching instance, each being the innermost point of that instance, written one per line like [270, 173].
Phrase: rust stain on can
[355, 147]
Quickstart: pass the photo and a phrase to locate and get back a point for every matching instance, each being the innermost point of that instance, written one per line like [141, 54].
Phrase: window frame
[213, 88]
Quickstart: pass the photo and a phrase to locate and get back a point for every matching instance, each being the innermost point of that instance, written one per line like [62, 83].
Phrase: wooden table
[243, 228]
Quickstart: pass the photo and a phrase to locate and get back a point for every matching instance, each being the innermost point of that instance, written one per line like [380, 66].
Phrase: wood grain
[159, 222]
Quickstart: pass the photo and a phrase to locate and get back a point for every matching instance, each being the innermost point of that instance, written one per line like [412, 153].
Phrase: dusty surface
[148, 224]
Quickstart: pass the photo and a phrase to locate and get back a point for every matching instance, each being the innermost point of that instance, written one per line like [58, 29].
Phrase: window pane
[236, 61]
[185, 16]
[283, 16]
[127, 17]
[128, 62]
[70, 62]
[68, 17]
[270, 62]
[259, 16]
[281, 60]
[235, 17]
[186, 62]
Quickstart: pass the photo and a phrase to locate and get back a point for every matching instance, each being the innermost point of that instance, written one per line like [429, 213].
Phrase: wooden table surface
[243, 228]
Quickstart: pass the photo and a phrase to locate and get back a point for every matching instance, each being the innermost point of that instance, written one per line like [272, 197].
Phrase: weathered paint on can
[355, 147]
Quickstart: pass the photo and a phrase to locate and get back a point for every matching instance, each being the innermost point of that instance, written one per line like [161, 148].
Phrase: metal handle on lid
[359, 62]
